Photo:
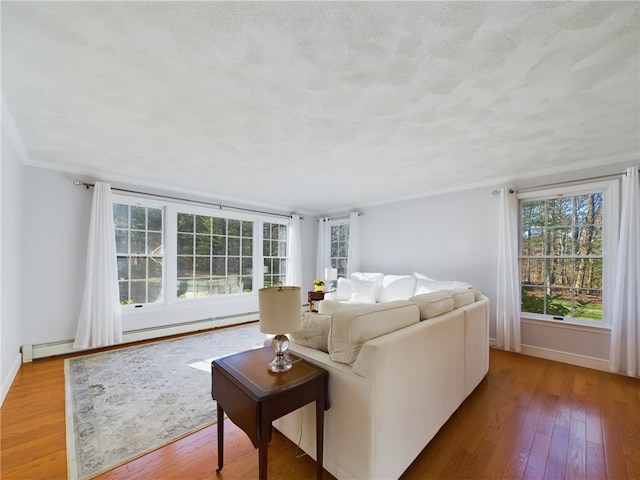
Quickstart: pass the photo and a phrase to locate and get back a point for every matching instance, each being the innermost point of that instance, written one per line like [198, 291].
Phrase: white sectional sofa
[397, 372]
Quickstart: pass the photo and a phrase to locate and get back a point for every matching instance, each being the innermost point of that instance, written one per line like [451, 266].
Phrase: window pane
[218, 226]
[155, 219]
[138, 218]
[203, 266]
[138, 267]
[203, 224]
[533, 271]
[561, 271]
[154, 243]
[139, 292]
[185, 222]
[558, 241]
[233, 246]
[123, 268]
[533, 300]
[138, 242]
[203, 245]
[247, 266]
[247, 247]
[185, 244]
[122, 241]
[589, 304]
[218, 246]
[247, 229]
[559, 211]
[218, 266]
[588, 240]
[155, 269]
[588, 273]
[121, 215]
[155, 291]
[233, 228]
[185, 266]
[533, 241]
[233, 266]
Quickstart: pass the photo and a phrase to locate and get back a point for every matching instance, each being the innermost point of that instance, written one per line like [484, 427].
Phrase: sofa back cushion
[433, 304]
[354, 325]
[397, 287]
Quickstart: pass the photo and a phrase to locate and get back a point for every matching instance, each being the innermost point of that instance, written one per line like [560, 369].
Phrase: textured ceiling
[319, 107]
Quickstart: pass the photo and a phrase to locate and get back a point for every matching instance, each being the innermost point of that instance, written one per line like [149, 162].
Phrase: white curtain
[324, 243]
[624, 351]
[508, 288]
[100, 321]
[353, 263]
[294, 270]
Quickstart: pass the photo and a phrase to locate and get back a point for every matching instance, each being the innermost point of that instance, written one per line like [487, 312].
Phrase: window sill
[568, 325]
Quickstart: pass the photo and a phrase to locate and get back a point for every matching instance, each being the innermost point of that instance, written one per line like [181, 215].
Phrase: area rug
[125, 403]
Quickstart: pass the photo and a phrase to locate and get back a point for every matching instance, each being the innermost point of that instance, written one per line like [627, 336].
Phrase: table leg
[220, 425]
[262, 458]
[319, 435]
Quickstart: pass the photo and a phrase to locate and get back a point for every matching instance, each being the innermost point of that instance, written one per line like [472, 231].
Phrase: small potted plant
[318, 284]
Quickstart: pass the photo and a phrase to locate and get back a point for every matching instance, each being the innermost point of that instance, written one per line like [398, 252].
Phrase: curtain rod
[539, 187]
[343, 217]
[169, 197]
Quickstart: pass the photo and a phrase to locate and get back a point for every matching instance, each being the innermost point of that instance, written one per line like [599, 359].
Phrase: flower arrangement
[318, 284]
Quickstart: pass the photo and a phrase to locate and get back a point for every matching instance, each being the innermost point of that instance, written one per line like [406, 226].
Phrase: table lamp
[280, 313]
[331, 275]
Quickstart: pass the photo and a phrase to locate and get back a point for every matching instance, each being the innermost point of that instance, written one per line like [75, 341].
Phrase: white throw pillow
[397, 287]
[363, 291]
[367, 276]
[343, 290]
[428, 286]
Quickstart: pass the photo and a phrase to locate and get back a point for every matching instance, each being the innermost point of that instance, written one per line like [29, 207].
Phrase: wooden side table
[252, 397]
[316, 296]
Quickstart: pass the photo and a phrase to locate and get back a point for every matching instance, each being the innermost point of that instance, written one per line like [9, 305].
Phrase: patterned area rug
[128, 402]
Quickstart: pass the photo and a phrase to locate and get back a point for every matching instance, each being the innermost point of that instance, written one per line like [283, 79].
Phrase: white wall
[56, 219]
[10, 256]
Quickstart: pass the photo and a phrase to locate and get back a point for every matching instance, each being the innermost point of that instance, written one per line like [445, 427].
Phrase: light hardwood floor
[529, 418]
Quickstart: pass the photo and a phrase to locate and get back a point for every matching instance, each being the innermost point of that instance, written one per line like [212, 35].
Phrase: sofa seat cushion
[314, 333]
[433, 304]
[354, 325]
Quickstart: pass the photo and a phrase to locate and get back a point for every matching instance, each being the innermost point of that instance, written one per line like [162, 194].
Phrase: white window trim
[610, 231]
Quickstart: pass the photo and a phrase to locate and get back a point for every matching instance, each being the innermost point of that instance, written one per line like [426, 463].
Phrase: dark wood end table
[252, 397]
[316, 296]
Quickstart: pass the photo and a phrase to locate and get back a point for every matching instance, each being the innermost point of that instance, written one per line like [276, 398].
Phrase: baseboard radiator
[44, 350]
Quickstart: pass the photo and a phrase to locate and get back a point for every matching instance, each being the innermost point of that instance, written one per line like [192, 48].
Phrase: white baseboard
[8, 380]
[32, 352]
[565, 357]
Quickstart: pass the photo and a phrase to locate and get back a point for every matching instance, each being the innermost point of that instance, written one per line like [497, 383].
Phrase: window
[563, 240]
[339, 248]
[138, 231]
[214, 256]
[274, 252]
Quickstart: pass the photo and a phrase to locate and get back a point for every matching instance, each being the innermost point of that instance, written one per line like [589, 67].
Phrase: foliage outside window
[138, 232]
[274, 252]
[561, 256]
[215, 256]
[339, 248]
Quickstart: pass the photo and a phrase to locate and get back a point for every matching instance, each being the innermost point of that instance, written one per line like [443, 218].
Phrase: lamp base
[280, 344]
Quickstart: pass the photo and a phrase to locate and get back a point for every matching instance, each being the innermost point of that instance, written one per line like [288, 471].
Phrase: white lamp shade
[280, 309]
[331, 273]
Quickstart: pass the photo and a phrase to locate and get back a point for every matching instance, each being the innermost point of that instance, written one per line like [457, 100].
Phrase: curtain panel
[100, 319]
[324, 243]
[624, 351]
[353, 264]
[294, 270]
[508, 287]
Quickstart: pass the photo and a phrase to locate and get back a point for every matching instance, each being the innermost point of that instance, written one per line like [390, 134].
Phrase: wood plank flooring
[530, 418]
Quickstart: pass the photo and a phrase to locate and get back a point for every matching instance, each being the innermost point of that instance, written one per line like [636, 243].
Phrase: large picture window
[215, 256]
[139, 251]
[563, 245]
